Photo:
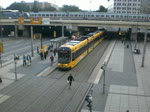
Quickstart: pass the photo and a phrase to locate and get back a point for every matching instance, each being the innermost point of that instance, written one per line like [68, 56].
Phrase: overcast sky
[82, 4]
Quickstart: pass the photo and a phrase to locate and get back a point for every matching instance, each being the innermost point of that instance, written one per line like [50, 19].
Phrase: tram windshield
[63, 57]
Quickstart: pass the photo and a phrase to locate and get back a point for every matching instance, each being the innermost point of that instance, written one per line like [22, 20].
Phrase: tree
[70, 8]
[102, 9]
[50, 9]
[19, 6]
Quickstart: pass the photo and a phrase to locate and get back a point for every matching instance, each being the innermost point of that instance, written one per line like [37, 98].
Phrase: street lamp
[103, 67]
[135, 47]
[144, 49]
[16, 58]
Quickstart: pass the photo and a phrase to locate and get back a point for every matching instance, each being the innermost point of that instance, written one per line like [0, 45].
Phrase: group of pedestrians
[26, 59]
[43, 55]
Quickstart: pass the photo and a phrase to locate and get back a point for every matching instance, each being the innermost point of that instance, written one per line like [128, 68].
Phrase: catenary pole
[32, 41]
[144, 48]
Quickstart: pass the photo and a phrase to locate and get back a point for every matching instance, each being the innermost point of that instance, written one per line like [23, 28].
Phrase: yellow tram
[71, 53]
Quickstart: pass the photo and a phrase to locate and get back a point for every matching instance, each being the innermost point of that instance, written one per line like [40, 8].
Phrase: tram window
[43, 14]
[134, 16]
[63, 57]
[55, 15]
[47, 14]
[51, 14]
[117, 16]
[59, 14]
[39, 15]
[112, 15]
[107, 15]
[130, 16]
[102, 15]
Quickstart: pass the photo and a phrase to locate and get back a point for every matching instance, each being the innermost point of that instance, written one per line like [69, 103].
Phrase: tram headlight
[62, 65]
[65, 65]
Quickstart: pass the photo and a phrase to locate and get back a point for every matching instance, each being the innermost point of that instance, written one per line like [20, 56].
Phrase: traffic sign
[1, 47]
[20, 20]
[36, 20]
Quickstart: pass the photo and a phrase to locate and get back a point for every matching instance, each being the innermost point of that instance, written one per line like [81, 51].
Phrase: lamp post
[136, 31]
[104, 68]
[32, 41]
[16, 58]
[144, 49]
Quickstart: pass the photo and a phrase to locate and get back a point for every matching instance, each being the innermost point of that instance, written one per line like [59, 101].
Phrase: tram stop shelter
[59, 41]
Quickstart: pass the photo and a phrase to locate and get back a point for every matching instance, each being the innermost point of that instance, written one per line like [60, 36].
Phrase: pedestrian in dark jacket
[52, 59]
[45, 55]
[70, 79]
[55, 50]
[24, 60]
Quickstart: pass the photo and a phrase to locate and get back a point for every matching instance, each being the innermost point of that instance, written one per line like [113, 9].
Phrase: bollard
[127, 46]
[0, 80]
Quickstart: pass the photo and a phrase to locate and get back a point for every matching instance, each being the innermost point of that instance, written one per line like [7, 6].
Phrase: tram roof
[59, 39]
[72, 42]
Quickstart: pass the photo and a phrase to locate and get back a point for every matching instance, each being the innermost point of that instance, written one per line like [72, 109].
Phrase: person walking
[45, 55]
[24, 60]
[70, 79]
[55, 50]
[38, 50]
[29, 59]
[41, 55]
[52, 59]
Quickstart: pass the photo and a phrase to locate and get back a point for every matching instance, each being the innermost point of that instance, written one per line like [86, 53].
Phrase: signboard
[36, 20]
[1, 47]
[20, 20]
[37, 35]
[46, 21]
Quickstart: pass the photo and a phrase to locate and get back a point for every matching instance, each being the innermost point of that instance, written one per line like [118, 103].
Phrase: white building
[124, 6]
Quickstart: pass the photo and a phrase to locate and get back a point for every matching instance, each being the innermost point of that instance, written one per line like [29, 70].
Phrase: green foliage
[70, 8]
[102, 9]
[19, 6]
[49, 9]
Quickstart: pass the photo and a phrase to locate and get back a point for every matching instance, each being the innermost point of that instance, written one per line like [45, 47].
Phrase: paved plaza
[127, 83]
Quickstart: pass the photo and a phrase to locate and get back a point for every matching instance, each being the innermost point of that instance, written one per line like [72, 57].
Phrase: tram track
[81, 74]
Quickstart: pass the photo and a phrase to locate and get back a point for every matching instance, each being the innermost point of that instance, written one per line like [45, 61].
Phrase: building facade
[124, 6]
[42, 5]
